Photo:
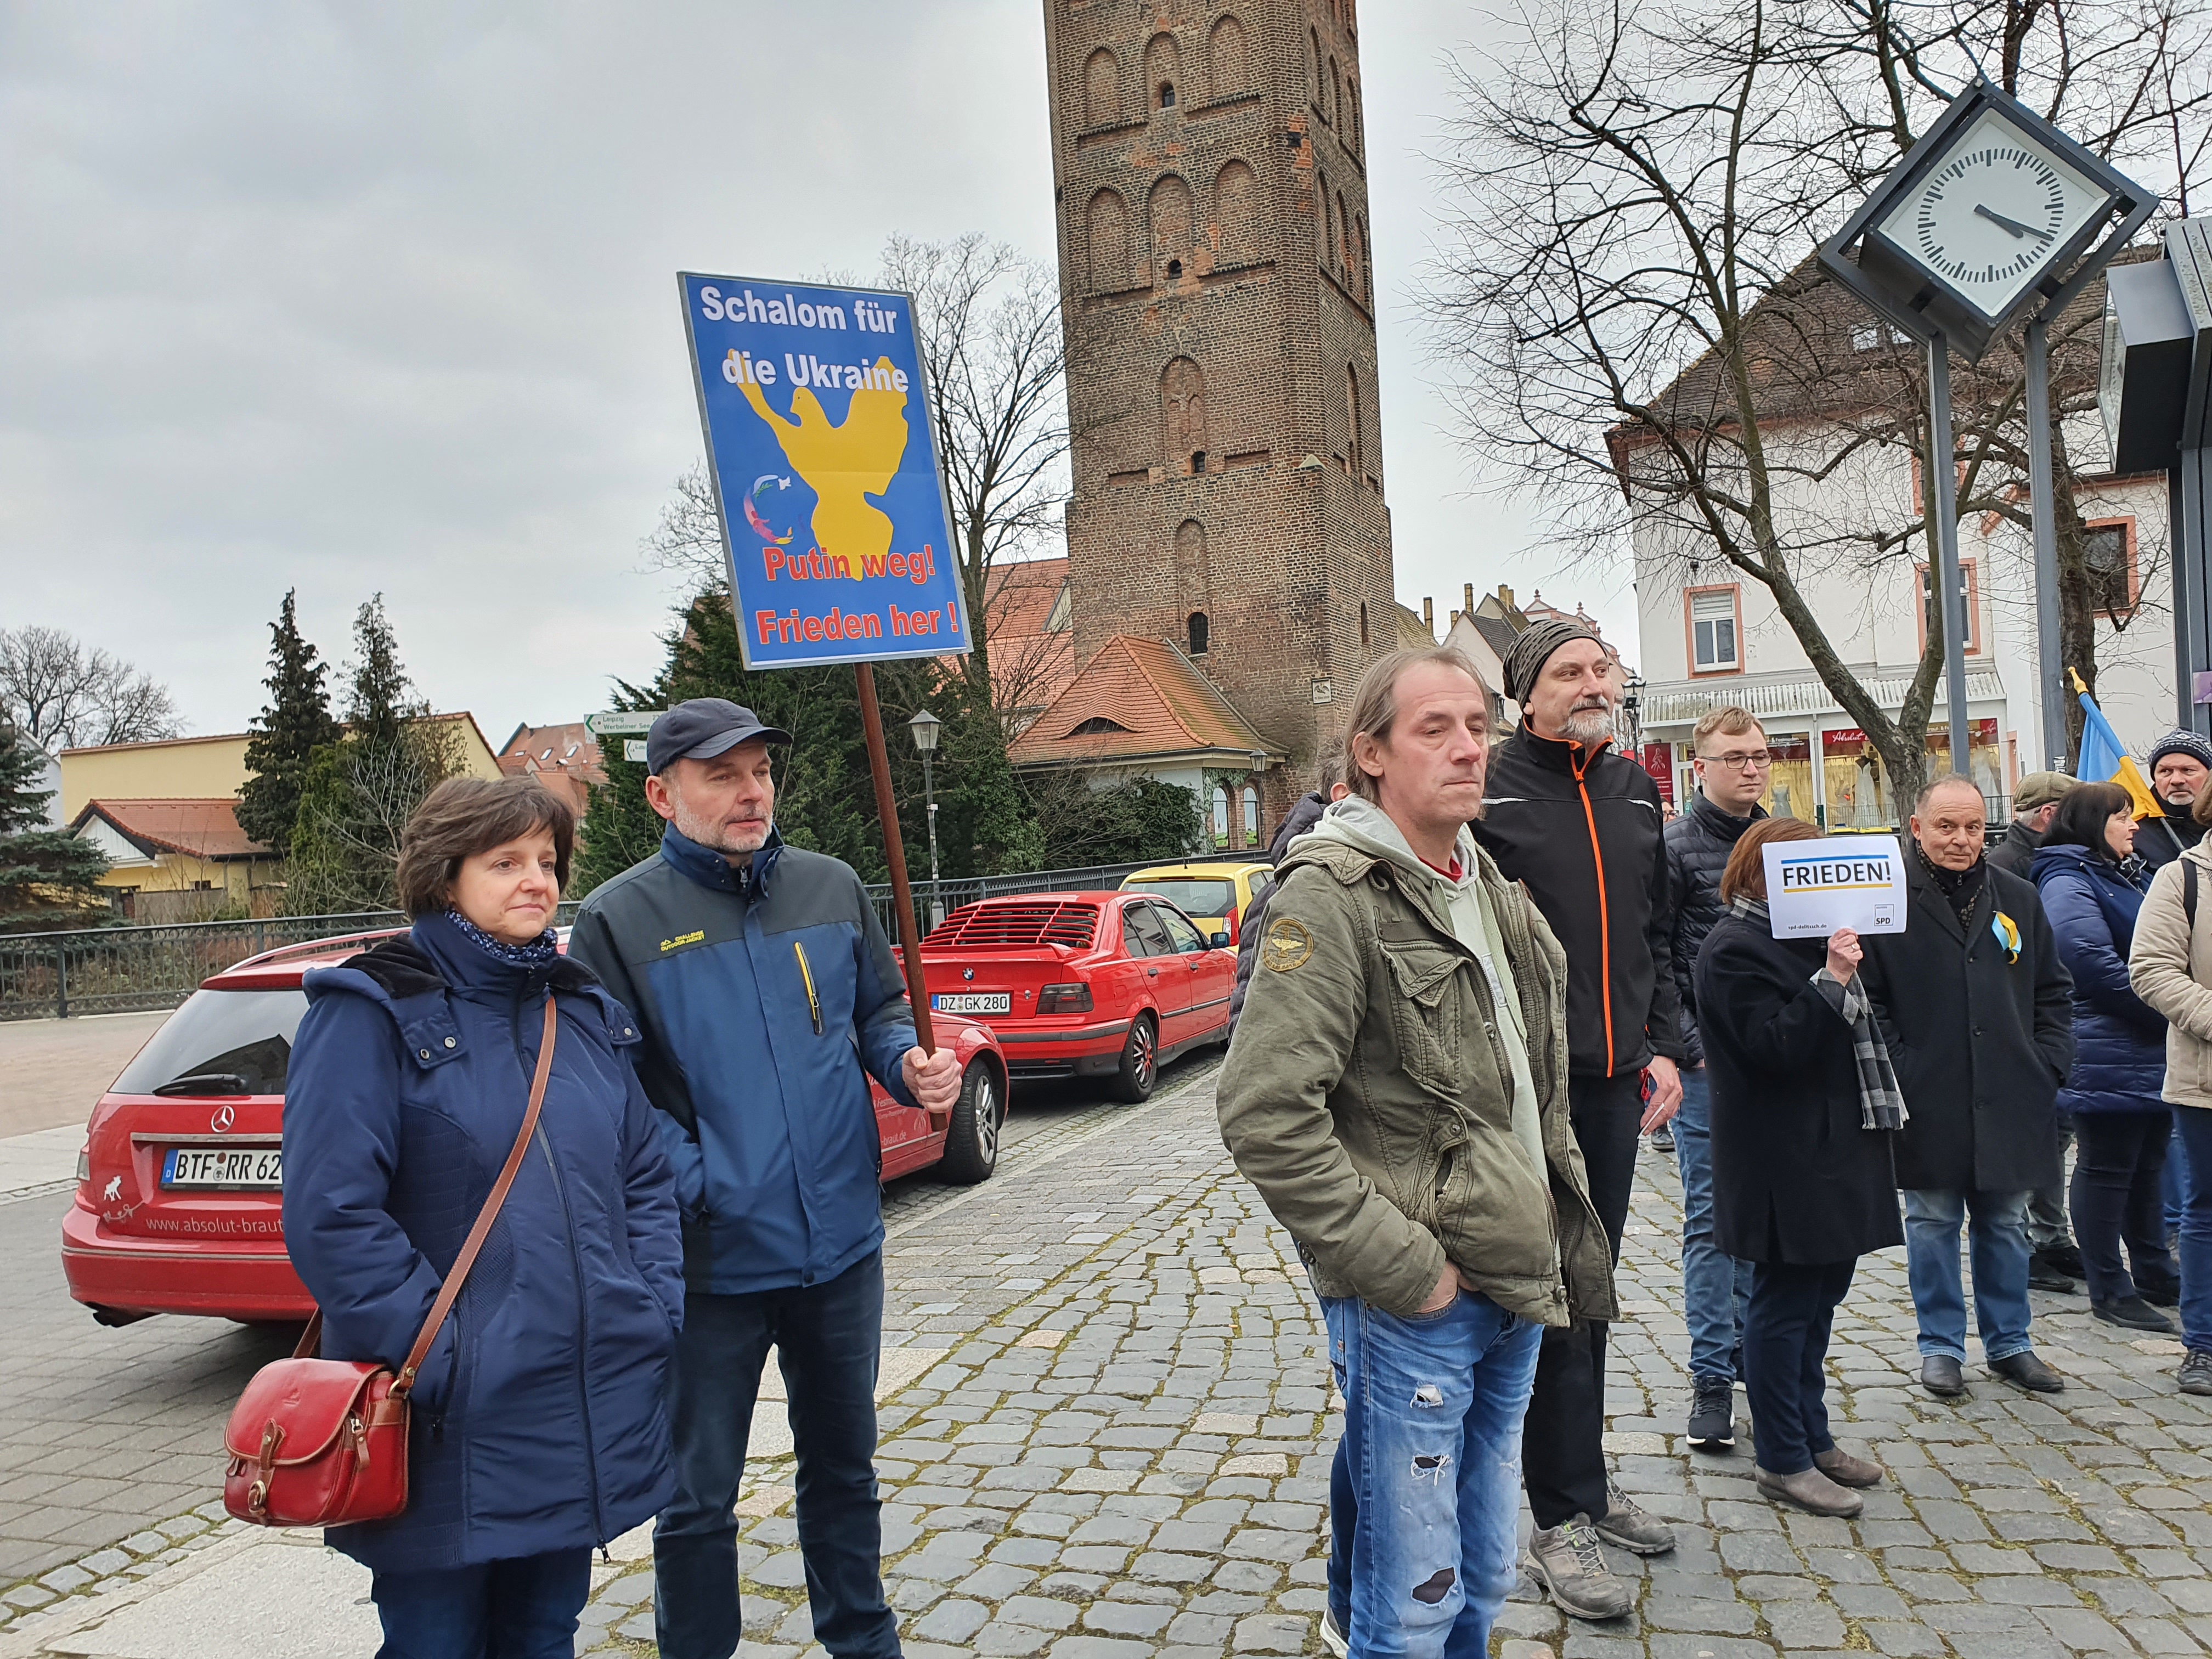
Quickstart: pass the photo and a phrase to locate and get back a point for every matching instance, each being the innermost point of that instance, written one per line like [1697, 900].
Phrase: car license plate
[974, 1002]
[223, 1166]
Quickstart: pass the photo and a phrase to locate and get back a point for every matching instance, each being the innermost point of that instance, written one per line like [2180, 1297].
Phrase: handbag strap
[311, 1339]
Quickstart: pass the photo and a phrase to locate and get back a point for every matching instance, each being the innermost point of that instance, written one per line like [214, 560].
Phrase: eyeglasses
[1751, 760]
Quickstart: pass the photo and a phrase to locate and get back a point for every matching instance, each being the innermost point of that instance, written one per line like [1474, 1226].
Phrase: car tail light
[83, 1164]
[1064, 999]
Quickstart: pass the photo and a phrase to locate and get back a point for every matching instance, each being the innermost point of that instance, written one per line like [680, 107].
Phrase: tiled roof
[547, 749]
[1032, 642]
[205, 829]
[1136, 698]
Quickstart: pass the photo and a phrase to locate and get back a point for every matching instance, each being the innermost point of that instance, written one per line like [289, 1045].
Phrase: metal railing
[110, 970]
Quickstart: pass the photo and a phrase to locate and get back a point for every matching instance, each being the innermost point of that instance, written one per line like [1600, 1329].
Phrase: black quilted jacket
[1697, 847]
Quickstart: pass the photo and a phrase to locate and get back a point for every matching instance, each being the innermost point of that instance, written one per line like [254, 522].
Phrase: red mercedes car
[1106, 985]
[180, 1188]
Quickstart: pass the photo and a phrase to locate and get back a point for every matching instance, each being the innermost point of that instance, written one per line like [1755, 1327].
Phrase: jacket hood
[1358, 823]
[710, 869]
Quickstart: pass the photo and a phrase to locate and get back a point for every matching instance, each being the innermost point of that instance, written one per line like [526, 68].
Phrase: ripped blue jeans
[1430, 1468]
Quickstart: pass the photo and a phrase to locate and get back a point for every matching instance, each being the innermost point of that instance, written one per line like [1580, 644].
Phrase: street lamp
[924, 728]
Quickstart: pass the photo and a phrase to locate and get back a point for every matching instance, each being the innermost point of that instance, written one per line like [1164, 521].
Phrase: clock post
[1993, 216]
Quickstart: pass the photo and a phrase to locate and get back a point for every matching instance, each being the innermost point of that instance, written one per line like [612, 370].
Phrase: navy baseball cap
[702, 729]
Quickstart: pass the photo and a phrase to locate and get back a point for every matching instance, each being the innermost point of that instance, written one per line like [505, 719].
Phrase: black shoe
[2159, 1295]
[2134, 1312]
[2196, 1372]
[2044, 1275]
[1712, 1415]
[2024, 1371]
[2065, 1257]
[1941, 1376]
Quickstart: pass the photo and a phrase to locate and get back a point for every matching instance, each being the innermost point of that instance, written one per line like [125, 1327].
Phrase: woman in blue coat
[539, 1428]
[2115, 1095]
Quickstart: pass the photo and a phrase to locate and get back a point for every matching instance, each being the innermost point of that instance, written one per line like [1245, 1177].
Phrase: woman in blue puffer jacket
[539, 1428]
[2116, 1093]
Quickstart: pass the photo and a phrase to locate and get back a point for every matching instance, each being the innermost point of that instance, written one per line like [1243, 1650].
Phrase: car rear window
[1193, 898]
[228, 1037]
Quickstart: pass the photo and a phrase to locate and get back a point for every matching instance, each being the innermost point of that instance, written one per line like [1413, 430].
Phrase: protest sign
[816, 405]
[1815, 887]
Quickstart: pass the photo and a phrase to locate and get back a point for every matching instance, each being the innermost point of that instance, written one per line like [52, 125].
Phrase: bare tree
[688, 541]
[66, 695]
[1628, 288]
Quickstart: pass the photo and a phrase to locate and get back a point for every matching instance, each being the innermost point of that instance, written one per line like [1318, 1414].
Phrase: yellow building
[173, 768]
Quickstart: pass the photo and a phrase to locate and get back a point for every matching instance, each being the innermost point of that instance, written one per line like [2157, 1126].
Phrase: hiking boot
[1941, 1376]
[1811, 1491]
[1845, 1470]
[2134, 1313]
[1712, 1414]
[1632, 1527]
[2196, 1372]
[2065, 1256]
[1566, 1561]
[2024, 1371]
[1333, 1639]
[2043, 1274]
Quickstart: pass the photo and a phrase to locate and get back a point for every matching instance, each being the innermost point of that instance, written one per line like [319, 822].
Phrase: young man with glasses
[1732, 764]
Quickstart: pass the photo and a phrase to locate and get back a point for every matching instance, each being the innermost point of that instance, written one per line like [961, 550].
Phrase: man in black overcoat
[1976, 1008]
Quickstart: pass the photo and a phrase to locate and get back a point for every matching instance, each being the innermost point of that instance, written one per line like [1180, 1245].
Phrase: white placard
[1815, 887]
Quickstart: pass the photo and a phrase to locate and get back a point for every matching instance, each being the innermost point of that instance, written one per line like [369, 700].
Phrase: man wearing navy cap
[767, 993]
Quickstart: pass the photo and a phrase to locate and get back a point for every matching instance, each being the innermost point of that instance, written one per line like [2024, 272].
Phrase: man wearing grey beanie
[2179, 764]
[1580, 824]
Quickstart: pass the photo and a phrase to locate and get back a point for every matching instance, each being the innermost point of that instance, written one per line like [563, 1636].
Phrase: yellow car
[1213, 895]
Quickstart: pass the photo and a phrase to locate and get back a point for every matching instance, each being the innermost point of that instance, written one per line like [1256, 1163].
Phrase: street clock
[1993, 208]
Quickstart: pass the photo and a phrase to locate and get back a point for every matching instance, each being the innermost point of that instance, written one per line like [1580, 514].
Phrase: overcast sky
[362, 298]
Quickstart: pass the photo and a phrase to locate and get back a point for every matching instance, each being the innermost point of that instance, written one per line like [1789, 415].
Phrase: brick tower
[1209, 161]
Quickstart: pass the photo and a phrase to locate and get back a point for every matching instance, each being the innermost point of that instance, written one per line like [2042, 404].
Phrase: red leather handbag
[322, 1443]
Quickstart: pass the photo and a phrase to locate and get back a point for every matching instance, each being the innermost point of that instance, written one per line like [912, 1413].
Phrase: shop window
[1715, 616]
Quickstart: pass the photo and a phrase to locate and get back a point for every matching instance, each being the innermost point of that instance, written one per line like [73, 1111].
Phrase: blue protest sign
[824, 463]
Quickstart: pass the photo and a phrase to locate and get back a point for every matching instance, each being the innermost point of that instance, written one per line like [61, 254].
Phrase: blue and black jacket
[768, 994]
[540, 1414]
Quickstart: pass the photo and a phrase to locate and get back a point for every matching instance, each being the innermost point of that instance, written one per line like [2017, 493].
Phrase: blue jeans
[1432, 1460]
[2192, 1129]
[2173, 1183]
[828, 1340]
[1715, 1286]
[1997, 1241]
[524, 1608]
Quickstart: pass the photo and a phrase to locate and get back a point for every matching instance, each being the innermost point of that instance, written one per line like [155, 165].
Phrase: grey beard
[1587, 726]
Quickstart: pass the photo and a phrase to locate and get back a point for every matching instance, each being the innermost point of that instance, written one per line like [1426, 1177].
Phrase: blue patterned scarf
[541, 952]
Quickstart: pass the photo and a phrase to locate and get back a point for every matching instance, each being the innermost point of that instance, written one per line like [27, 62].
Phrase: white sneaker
[1333, 1639]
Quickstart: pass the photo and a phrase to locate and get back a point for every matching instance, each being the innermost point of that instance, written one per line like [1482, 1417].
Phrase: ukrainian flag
[2102, 758]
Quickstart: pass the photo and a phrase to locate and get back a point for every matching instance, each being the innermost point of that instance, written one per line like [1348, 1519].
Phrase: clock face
[1991, 215]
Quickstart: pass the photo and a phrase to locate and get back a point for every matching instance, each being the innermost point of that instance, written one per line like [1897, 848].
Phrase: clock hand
[2012, 225]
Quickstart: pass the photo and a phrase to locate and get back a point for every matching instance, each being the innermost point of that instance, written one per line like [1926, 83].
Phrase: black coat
[1795, 1178]
[1981, 1042]
[1581, 828]
[2015, 851]
[1698, 843]
[2160, 840]
[1304, 813]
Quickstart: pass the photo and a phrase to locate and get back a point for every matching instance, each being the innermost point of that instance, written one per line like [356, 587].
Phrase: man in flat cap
[2034, 798]
[768, 994]
[1580, 823]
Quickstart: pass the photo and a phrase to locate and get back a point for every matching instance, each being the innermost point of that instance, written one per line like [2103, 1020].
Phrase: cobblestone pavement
[1121, 1446]
[113, 1438]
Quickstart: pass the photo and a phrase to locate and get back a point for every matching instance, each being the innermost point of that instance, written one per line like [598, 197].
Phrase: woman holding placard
[1803, 1103]
[2121, 1120]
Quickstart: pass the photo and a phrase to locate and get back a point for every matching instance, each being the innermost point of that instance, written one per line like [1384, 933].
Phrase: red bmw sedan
[1106, 985]
[179, 1198]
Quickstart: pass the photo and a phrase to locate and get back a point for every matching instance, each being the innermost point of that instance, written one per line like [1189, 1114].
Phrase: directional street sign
[614, 726]
[633, 749]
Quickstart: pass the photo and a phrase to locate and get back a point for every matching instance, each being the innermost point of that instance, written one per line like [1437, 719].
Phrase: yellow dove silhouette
[844, 464]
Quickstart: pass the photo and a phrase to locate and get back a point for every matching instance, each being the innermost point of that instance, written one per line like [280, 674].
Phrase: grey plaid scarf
[1882, 1103]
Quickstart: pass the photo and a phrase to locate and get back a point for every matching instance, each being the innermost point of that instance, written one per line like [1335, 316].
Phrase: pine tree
[48, 877]
[377, 703]
[294, 723]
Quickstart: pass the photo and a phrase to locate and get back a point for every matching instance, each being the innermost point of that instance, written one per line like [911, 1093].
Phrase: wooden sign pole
[879, 765]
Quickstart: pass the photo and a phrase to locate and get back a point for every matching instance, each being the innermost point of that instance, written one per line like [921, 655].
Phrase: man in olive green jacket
[1397, 1092]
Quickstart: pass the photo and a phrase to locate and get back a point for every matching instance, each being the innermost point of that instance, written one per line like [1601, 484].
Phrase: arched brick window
[1162, 72]
[1251, 815]
[1168, 209]
[1106, 226]
[1354, 126]
[1198, 629]
[1220, 815]
[1314, 63]
[1320, 217]
[1228, 64]
[1354, 256]
[1237, 213]
[1182, 413]
[1354, 443]
[1102, 89]
[1342, 223]
[1334, 111]
[1366, 265]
